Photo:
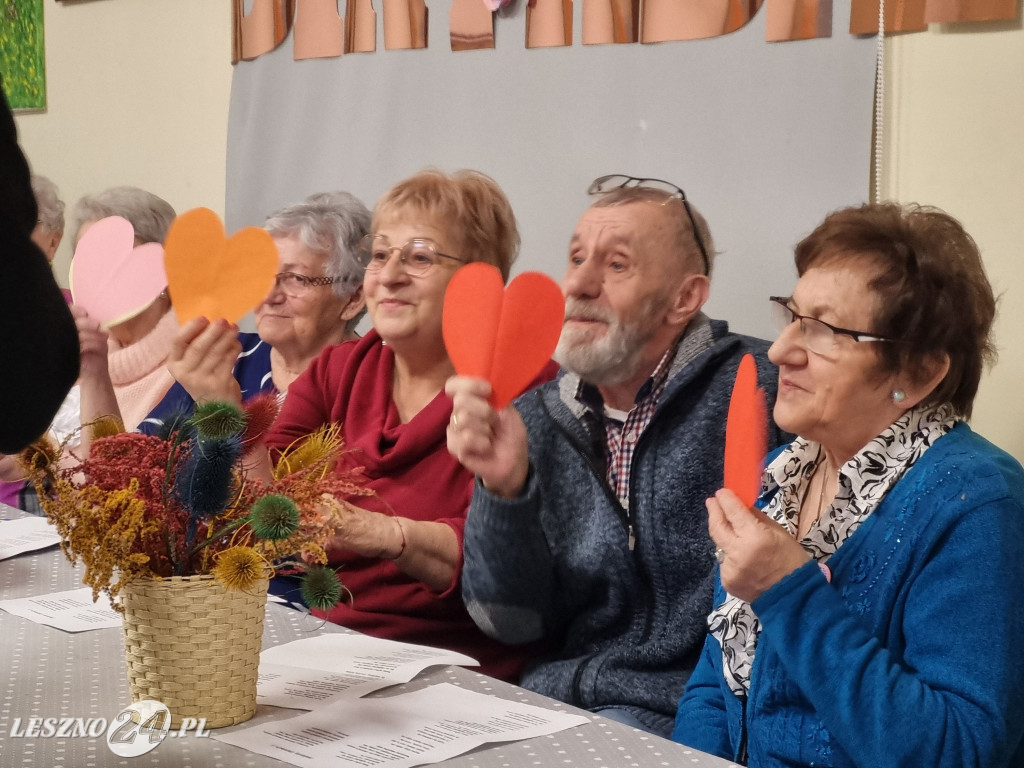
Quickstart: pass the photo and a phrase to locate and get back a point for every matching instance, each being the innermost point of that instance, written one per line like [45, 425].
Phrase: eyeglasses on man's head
[818, 336]
[416, 256]
[604, 184]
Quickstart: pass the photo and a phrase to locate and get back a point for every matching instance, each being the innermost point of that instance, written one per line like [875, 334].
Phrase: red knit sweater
[414, 476]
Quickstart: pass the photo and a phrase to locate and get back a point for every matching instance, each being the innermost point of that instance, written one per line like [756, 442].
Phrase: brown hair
[930, 286]
[467, 205]
[676, 211]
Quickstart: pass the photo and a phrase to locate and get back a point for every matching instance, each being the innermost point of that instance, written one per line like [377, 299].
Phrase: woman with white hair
[49, 227]
[150, 216]
[130, 366]
[316, 301]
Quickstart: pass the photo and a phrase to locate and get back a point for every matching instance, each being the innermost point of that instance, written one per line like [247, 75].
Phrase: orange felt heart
[213, 276]
[746, 434]
[504, 335]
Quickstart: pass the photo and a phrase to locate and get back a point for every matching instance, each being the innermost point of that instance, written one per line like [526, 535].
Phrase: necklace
[821, 492]
[801, 531]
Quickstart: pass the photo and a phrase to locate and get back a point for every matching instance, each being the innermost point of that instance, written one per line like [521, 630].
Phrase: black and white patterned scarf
[863, 482]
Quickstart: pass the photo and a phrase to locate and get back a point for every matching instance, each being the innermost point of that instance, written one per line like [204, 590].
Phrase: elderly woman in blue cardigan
[870, 610]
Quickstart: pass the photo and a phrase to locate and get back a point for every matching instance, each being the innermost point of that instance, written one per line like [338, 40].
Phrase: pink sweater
[139, 371]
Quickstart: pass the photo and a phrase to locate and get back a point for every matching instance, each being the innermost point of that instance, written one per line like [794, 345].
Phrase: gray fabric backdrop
[765, 138]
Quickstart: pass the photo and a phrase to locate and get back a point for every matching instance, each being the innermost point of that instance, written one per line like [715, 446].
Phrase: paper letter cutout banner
[503, 335]
[111, 278]
[745, 434]
[210, 275]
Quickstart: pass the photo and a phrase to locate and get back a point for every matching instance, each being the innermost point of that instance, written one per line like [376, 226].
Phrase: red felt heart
[745, 434]
[504, 335]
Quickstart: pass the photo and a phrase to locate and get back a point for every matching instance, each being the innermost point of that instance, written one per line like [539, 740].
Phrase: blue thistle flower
[205, 480]
[177, 422]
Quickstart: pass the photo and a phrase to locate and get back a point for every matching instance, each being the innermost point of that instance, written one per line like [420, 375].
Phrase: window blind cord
[879, 101]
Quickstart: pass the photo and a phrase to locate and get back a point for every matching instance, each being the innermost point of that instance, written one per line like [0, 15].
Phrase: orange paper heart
[745, 434]
[213, 276]
[504, 335]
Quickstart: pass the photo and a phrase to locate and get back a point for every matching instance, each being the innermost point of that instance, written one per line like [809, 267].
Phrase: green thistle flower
[321, 588]
[274, 517]
[216, 420]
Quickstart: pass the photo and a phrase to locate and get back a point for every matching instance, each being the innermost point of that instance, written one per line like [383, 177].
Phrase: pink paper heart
[111, 278]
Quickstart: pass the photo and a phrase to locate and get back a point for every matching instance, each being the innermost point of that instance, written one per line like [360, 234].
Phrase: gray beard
[610, 360]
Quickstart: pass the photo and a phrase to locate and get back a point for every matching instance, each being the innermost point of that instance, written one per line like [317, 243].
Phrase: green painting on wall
[22, 60]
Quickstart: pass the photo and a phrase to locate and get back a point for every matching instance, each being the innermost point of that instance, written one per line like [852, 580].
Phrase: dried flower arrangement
[180, 504]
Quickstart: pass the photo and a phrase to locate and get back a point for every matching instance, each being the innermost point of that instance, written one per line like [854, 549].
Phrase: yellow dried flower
[40, 456]
[240, 568]
[320, 448]
[106, 426]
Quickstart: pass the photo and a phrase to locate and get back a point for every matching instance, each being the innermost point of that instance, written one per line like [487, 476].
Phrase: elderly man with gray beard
[587, 532]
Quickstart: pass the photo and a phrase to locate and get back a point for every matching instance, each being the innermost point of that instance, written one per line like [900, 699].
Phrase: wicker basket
[194, 646]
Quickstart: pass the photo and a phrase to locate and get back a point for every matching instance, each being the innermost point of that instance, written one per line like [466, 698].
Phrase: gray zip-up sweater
[618, 627]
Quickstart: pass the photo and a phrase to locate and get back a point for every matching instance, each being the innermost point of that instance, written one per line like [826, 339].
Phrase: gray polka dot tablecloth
[53, 674]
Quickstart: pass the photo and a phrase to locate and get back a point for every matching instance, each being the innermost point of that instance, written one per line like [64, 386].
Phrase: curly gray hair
[51, 207]
[331, 224]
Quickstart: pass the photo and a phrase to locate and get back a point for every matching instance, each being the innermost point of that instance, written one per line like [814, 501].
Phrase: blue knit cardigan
[913, 655]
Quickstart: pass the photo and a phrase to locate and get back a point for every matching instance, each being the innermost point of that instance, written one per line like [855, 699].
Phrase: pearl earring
[898, 396]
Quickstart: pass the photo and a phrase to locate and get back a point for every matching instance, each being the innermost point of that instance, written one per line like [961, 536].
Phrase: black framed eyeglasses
[818, 336]
[612, 181]
[295, 285]
[417, 256]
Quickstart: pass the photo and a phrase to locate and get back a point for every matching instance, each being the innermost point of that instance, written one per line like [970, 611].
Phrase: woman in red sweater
[401, 552]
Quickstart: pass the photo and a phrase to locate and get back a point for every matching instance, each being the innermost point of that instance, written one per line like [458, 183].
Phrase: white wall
[954, 123]
[955, 139]
[137, 93]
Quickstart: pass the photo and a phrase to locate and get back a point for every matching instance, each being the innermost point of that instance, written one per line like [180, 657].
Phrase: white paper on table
[426, 726]
[25, 535]
[317, 671]
[72, 611]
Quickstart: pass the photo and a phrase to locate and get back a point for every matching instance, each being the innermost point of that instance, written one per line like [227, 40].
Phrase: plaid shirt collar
[621, 435]
[589, 396]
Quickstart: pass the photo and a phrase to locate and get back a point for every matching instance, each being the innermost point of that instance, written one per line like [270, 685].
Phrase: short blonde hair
[468, 206]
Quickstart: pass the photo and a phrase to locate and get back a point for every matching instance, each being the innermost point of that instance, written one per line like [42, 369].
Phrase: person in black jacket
[38, 340]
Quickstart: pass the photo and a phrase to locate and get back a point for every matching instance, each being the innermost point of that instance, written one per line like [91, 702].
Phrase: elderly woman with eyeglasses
[870, 610]
[316, 301]
[401, 550]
